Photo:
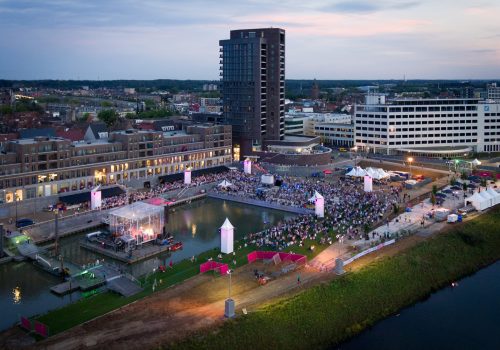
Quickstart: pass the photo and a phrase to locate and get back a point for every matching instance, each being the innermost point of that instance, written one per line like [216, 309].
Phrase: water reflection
[16, 295]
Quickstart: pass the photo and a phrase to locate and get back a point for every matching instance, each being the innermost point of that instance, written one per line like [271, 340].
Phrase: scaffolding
[142, 221]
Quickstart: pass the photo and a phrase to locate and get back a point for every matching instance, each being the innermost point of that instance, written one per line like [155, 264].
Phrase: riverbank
[99, 305]
[333, 312]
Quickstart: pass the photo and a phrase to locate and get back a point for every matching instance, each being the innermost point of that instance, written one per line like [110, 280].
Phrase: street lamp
[410, 159]
[355, 148]
[16, 199]
[229, 304]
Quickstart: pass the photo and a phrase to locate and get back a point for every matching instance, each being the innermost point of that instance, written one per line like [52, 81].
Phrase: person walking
[298, 279]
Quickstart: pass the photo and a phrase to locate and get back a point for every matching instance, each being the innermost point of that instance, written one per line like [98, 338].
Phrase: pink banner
[41, 329]
[26, 323]
[213, 265]
[260, 255]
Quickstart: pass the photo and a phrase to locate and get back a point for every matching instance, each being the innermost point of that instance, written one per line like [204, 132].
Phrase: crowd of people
[349, 210]
[159, 190]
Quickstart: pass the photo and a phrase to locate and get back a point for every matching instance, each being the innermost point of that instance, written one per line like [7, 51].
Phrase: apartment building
[46, 166]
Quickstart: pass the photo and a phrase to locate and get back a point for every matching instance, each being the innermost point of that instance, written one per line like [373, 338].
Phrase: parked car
[24, 222]
[466, 210]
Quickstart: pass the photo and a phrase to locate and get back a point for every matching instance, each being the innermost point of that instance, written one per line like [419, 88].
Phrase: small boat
[176, 246]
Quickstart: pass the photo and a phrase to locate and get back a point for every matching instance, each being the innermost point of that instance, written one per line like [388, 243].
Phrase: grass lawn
[88, 308]
[323, 316]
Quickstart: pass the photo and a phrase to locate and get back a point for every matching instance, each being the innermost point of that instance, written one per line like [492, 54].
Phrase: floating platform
[83, 284]
[124, 286]
[143, 253]
[96, 277]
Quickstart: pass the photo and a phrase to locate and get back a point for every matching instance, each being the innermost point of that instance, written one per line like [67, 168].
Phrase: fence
[38, 327]
[368, 251]
[214, 265]
[277, 257]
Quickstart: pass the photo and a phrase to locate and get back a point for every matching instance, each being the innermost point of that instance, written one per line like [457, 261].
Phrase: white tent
[382, 173]
[488, 197]
[476, 162]
[225, 184]
[495, 195]
[478, 201]
[357, 172]
[371, 172]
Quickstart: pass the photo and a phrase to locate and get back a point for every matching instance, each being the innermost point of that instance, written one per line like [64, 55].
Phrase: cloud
[179, 39]
[357, 7]
[362, 7]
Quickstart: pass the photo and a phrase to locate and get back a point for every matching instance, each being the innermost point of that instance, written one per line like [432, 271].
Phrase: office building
[493, 92]
[427, 127]
[253, 87]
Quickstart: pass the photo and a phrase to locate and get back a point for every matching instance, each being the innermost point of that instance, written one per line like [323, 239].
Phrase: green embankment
[325, 315]
[100, 304]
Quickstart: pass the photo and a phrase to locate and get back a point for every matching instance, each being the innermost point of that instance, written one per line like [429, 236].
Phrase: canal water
[463, 317]
[24, 289]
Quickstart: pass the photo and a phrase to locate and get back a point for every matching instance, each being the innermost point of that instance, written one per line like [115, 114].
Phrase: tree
[463, 176]
[106, 104]
[464, 186]
[453, 181]
[108, 116]
[395, 208]
[434, 189]
[433, 199]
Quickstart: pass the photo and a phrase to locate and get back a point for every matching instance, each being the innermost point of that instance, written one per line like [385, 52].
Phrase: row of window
[433, 108]
[492, 148]
[416, 116]
[429, 142]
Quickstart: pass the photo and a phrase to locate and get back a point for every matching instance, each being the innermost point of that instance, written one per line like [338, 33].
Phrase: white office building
[305, 123]
[427, 127]
[493, 92]
[336, 134]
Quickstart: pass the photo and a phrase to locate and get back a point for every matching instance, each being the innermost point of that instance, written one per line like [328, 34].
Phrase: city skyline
[326, 40]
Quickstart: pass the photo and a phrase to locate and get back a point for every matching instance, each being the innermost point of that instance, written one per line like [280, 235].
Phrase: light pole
[355, 149]
[410, 159]
[229, 304]
[16, 197]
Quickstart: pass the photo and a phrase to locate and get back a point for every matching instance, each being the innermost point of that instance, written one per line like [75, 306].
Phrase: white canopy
[225, 183]
[227, 224]
[357, 172]
[478, 201]
[371, 172]
[494, 194]
[377, 173]
[476, 162]
[382, 173]
[488, 197]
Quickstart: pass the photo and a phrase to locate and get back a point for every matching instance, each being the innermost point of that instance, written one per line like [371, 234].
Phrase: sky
[178, 39]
